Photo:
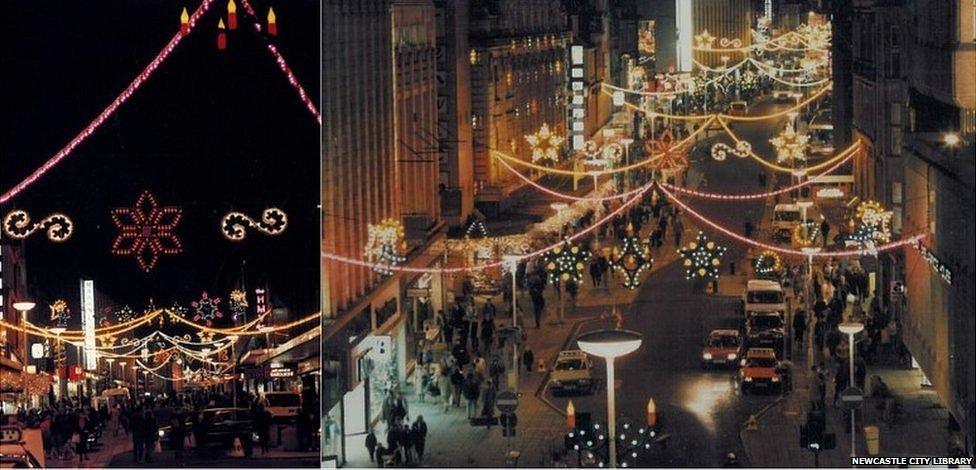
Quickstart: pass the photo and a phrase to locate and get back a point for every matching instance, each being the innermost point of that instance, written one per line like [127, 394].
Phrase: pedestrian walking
[472, 392]
[419, 432]
[457, 387]
[150, 432]
[81, 430]
[138, 435]
[824, 230]
[678, 228]
[371, 444]
[799, 326]
[177, 434]
[528, 359]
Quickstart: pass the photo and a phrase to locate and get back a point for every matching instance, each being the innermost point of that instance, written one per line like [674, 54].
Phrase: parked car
[573, 372]
[220, 426]
[759, 369]
[283, 406]
[721, 348]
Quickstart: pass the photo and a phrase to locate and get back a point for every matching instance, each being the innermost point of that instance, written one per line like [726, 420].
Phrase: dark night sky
[210, 132]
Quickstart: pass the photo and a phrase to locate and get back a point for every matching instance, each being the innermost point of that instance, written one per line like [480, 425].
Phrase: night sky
[210, 132]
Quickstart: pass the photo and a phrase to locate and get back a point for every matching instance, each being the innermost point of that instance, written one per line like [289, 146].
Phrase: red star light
[146, 231]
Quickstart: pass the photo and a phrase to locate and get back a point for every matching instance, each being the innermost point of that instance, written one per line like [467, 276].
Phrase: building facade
[732, 20]
[518, 80]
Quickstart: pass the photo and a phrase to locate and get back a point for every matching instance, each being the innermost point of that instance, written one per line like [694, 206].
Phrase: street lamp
[511, 261]
[24, 306]
[610, 344]
[850, 329]
[810, 251]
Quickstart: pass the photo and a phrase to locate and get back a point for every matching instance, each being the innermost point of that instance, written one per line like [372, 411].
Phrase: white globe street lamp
[610, 344]
[851, 329]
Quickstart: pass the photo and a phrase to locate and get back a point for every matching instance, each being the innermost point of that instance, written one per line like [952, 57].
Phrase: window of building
[896, 192]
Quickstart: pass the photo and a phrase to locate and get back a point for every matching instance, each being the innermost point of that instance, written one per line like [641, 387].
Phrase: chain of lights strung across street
[188, 25]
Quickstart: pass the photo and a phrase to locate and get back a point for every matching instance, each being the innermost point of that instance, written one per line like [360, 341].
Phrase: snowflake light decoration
[125, 314]
[565, 262]
[669, 159]
[701, 258]
[631, 259]
[207, 309]
[234, 225]
[18, 225]
[237, 303]
[389, 257]
[768, 262]
[146, 231]
[60, 313]
[789, 145]
[873, 224]
[545, 144]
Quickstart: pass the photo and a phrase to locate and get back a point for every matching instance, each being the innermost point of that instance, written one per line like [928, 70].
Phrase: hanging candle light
[221, 35]
[272, 22]
[231, 15]
[184, 22]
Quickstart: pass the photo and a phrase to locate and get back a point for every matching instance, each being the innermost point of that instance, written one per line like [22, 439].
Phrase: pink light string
[788, 251]
[567, 196]
[283, 64]
[92, 126]
[575, 236]
[741, 197]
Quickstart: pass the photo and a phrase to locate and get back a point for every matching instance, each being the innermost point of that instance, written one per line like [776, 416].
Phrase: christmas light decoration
[592, 444]
[476, 229]
[768, 262]
[566, 263]
[184, 22]
[60, 313]
[146, 231]
[933, 261]
[221, 35]
[873, 224]
[701, 258]
[789, 145]
[231, 15]
[273, 222]
[632, 258]
[383, 244]
[17, 225]
[805, 234]
[672, 160]
[237, 304]
[272, 22]
[125, 314]
[207, 309]
[720, 150]
[704, 40]
[544, 144]
[113, 106]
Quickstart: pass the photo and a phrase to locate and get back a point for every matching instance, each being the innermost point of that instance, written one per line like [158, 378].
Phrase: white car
[283, 406]
[573, 372]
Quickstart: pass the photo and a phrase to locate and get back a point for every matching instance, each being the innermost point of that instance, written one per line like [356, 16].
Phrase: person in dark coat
[799, 326]
[371, 444]
[419, 433]
[262, 423]
[138, 435]
[177, 434]
[528, 359]
[150, 432]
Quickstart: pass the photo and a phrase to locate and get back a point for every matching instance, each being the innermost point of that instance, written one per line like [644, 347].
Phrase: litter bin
[873, 437]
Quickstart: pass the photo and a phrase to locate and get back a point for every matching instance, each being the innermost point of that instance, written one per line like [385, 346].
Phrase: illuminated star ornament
[701, 258]
[873, 225]
[704, 40]
[565, 263]
[668, 158]
[146, 231]
[789, 145]
[237, 304]
[207, 309]
[545, 144]
[125, 314]
[383, 245]
[18, 225]
[768, 262]
[631, 259]
[234, 225]
[60, 313]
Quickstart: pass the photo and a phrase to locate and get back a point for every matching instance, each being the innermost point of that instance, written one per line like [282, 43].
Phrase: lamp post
[850, 329]
[57, 330]
[512, 262]
[610, 344]
[809, 251]
[110, 360]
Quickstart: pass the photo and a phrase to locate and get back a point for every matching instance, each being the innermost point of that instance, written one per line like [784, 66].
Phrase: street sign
[851, 397]
[507, 401]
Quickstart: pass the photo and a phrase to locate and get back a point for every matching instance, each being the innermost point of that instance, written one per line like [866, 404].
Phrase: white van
[283, 406]
[785, 217]
[764, 296]
[821, 139]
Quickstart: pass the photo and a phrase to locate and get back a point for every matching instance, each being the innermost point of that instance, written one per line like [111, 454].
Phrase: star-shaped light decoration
[60, 313]
[207, 309]
[146, 231]
[701, 258]
[668, 158]
[631, 259]
[125, 314]
[565, 262]
[545, 144]
[704, 40]
[205, 336]
[237, 304]
[790, 145]
[768, 262]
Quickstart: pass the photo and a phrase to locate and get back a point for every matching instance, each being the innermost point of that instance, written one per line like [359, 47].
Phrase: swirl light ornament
[545, 145]
[721, 150]
[234, 225]
[17, 225]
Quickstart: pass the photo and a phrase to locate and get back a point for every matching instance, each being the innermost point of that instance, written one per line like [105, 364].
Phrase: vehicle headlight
[731, 356]
[775, 379]
[707, 356]
[747, 379]
[162, 433]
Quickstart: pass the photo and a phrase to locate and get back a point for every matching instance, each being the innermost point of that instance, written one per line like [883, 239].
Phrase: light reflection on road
[704, 395]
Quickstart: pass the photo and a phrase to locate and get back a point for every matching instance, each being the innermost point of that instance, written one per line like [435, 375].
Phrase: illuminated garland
[720, 150]
[768, 263]
[146, 231]
[545, 144]
[17, 225]
[124, 96]
[273, 222]
[701, 258]
[632, 258]
[565, 262]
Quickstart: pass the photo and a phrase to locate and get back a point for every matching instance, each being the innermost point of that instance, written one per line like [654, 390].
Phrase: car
[221, 426]
[721, 348]
[759, 369]
[765, 330]
[738, 108]
[821, 139]
[782, 96]
[573, 372]
[166, 428]
[785, 216]
[283, 406]
[764, 295]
